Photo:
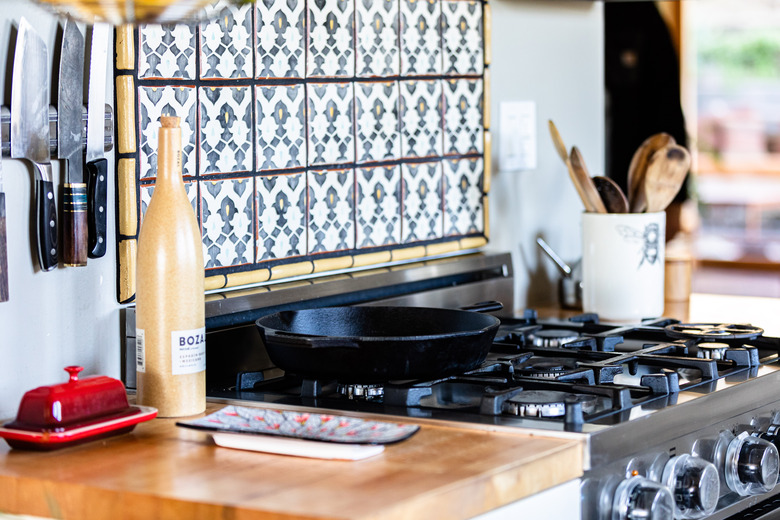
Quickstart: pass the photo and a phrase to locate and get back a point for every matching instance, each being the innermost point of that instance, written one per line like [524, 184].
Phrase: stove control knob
[772, 433]
[695, 485]
[638, 497]
[752, 465]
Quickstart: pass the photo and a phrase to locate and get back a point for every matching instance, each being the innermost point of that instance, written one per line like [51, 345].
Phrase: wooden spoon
[665, 175]
[582, 179]
[638, 167]
[561, 148]
[611, 195]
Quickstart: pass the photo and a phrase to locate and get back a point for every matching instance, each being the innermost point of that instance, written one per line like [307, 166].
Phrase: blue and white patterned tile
[281, 127]
[167, 51]
[377, 136]
[463, 211]
[227, 212]
[281, 216]
[378, 206]
[421, 37]
[331, 199]
[226, 41]
[154, 102]
[225, 129]
[377, 49]
[423, 218]
[331, 32]
[281, 40]
[421, 118]
[462, 37]
[191, 187]
[330, 130]
[463, 129]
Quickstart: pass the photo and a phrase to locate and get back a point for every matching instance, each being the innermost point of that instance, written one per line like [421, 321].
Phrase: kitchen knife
[97, 165]
[69, 104]
[3, 245]
[30, 133]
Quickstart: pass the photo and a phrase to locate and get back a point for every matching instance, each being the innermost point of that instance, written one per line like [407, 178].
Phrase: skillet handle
[488, 306]
[291, 339]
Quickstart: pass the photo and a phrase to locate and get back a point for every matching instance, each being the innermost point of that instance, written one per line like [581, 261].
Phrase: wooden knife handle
[97, 190]
[74, 224]
[46, 212]
[3, 253]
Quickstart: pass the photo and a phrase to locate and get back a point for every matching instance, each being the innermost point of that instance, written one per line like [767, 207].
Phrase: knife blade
[30, 133]
[97, 165]
[3, 246]
[69, 105]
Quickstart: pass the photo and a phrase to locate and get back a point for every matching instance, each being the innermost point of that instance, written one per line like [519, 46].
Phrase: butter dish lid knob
[73, 372]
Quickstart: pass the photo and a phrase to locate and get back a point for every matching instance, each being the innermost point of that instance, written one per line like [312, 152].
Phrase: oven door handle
[292, 339]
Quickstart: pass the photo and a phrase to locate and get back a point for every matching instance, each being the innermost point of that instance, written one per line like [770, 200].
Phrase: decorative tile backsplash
[317, 134]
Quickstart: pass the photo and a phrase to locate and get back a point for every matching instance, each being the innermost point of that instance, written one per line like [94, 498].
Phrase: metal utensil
[30, 133]
[665, 175]
[638, 167]
[563, 267]
[611, 195]
[69, 108]
[3, 245]
[570, 284]
[97, 165]
[582, 177]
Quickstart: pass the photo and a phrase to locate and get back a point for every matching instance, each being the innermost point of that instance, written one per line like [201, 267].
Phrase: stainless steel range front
[681, 420]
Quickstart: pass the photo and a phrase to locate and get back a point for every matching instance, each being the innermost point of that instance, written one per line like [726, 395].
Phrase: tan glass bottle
[170, 345]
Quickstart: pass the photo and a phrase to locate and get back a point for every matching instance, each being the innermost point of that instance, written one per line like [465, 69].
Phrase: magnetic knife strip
[5, 130]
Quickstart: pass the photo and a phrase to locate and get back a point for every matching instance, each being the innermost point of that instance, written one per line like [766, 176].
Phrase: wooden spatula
[558, 141]
[665, 175]
[638, 167]
[582, 179]
[561, 148]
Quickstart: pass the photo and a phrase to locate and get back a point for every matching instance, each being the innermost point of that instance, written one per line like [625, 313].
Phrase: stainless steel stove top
[677, 417]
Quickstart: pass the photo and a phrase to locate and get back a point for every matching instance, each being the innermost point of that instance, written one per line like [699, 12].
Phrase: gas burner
[712, 350]
[552, 337]
[545, 367]
[360, 392]
[545, 403]
[713, 331]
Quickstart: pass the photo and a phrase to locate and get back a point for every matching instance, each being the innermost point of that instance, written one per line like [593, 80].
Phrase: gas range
[574, 375]
[681, 420]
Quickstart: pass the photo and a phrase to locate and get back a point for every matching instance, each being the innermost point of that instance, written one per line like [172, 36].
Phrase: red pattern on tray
[302, 425]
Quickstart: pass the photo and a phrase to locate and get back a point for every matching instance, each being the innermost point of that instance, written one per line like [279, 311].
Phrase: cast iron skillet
[366, 344]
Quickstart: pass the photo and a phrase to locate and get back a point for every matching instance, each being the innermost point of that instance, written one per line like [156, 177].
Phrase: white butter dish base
[297, 447]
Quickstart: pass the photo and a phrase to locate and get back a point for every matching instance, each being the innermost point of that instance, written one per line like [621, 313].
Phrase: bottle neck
[169, 158]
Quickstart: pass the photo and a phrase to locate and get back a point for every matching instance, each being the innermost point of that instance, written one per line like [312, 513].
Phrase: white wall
[550, 52]
[68, 316]
[545, 51]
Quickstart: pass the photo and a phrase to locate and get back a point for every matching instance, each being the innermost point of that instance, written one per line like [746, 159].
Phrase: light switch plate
[517, 141]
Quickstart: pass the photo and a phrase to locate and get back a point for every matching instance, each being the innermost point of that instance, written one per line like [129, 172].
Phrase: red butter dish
[77, 411]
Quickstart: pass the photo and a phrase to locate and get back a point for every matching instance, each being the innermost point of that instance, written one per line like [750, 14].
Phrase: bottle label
[188, 351]
[140, 351]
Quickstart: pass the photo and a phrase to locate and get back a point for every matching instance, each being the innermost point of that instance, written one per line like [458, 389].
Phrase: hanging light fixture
[118, 12]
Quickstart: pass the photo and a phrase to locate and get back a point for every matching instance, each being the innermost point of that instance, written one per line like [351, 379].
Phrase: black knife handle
[97, 191]
[47, 224]
[74, 224]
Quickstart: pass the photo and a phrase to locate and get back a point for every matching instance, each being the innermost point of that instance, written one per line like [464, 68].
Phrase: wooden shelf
[768, 164]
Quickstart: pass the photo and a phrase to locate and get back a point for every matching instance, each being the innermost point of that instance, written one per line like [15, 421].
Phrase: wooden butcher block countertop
[164, 471]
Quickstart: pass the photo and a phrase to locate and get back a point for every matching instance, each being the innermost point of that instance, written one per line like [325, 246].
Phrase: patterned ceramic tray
[310, 426]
